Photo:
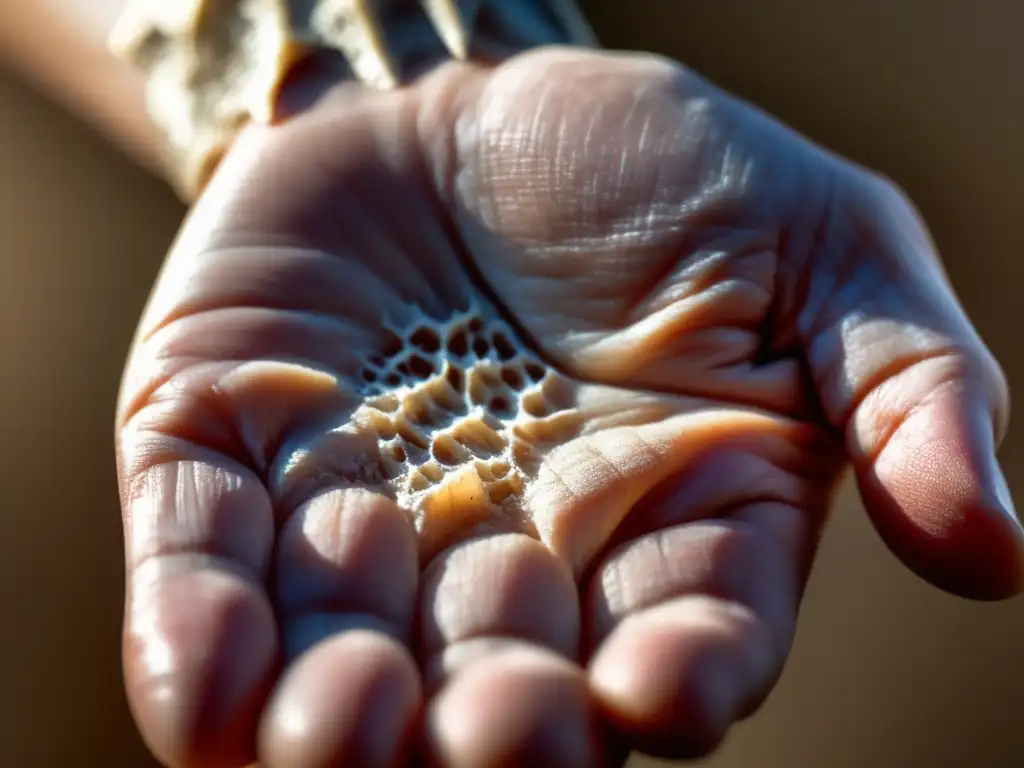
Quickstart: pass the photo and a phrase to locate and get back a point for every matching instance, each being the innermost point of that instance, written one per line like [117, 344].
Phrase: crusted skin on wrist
[216, 65]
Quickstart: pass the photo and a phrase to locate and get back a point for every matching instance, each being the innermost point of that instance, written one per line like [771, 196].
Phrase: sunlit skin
[739, 316]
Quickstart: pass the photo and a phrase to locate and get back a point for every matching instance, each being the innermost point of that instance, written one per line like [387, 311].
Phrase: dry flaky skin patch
[471, 433]
[215, 65]
[456, 418]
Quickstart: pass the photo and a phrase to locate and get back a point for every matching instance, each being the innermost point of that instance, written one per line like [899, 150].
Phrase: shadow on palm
[550, 369]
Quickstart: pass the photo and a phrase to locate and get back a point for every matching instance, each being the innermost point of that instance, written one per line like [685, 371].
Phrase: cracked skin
[449, 413]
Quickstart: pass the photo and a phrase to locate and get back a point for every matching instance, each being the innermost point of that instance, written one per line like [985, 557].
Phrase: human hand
[693, 318]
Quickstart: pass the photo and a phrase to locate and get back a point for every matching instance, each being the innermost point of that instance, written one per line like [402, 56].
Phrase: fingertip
[200, 655]
[521, 705]
[940, 501]
[675, 678]
[969, 549]
[352, 699]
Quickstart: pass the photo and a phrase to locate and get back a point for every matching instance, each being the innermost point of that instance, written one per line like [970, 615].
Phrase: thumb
[921, 401]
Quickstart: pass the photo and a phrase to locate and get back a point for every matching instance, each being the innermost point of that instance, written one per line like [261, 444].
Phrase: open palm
[495, 421]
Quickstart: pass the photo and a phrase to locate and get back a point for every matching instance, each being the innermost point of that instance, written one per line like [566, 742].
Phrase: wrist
[212, 69]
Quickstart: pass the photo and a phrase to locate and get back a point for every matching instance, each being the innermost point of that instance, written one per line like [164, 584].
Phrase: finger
[500, 586]
[691, 625]
[499, 621]
[351, 700]
[523, 706]
[200, 640]
[347, 575]
[921, 399]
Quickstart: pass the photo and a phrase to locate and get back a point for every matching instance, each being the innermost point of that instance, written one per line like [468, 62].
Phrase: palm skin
[728, 314]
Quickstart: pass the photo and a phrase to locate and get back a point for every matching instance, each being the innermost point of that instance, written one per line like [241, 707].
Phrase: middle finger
[499, 631]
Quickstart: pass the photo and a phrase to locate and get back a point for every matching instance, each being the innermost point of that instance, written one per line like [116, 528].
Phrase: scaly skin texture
[723, 314]
[215, 65]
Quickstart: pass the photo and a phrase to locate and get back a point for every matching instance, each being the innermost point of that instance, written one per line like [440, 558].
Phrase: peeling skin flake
[214, 65]
[454, 422]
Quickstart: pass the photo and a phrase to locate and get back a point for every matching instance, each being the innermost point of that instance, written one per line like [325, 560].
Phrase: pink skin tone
[299, 628]
[646, 232]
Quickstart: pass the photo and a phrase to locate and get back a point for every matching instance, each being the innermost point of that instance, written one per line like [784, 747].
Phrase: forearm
[61, 46]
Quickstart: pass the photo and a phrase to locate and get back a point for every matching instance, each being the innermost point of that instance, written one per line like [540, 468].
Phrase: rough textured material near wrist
[215, 65]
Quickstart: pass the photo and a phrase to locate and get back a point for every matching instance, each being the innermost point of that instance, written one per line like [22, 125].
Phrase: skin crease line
[695, 294]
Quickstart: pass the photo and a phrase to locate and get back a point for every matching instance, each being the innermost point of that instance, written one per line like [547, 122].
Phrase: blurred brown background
[886, 672]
